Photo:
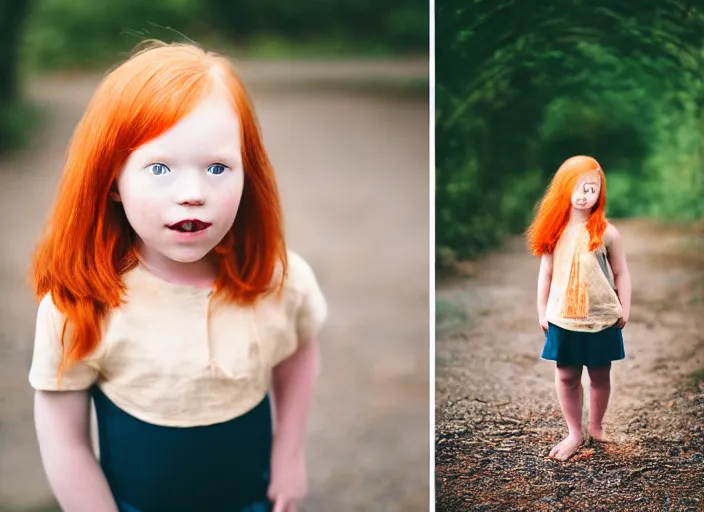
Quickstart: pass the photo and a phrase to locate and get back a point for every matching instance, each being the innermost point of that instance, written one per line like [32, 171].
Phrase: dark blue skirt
[574, 348]
[214, 468]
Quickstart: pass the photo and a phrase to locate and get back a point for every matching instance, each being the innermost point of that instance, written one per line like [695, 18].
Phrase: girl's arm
[62, 421]
[293, 384]
[622, 277]
[544, 281]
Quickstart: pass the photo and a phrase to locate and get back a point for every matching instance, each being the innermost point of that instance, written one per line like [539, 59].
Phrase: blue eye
[158, 169]
[216, 169]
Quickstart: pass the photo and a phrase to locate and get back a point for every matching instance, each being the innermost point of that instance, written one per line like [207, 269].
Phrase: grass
[697, 380]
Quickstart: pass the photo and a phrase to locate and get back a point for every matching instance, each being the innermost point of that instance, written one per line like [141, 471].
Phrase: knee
[600, 380]
[569, 380]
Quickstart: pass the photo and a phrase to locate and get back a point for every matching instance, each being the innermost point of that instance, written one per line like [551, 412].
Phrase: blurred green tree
[82, 33]
[400, 24]
[521, 86]
[12, 18]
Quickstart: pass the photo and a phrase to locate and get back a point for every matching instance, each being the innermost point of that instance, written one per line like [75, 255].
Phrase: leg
[568, 381]
[599, 392]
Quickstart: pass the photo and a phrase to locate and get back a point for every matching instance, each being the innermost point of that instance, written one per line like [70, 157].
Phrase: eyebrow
[224, 157]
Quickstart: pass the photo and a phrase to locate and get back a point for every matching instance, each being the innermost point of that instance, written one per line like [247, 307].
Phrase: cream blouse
[604, 305]
[174, 356]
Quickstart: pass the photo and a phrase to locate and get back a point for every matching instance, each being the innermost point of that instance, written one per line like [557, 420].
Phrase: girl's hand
[543, 324]
[289, 481]
[622, 322]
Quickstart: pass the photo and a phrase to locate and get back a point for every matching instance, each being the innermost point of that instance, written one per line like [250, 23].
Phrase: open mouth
[189, 226]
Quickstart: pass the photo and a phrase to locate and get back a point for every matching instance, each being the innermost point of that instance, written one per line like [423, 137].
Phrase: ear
[115, 194]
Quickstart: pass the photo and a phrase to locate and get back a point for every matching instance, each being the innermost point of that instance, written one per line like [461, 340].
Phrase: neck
[579, 216]
[201, 273]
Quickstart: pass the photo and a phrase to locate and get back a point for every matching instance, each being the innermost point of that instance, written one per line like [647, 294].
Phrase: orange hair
[88, 243]
[554, 209]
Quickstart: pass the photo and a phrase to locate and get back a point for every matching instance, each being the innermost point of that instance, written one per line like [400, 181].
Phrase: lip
[189, 235]
[198, 222]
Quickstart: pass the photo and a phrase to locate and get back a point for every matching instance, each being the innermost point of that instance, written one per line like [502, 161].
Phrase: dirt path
[353, 170]
[497, 413]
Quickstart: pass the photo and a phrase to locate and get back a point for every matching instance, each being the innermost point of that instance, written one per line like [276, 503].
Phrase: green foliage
[72, 33]
[80, 33]
[523, 86]
[18, 120]
[399, 24]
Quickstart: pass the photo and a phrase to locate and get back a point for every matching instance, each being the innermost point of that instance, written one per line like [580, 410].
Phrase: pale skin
[568, 380]
[194, 170]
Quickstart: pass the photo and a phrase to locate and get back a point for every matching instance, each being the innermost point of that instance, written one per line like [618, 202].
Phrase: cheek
[229, 204]
[140, 203]
[229, 198]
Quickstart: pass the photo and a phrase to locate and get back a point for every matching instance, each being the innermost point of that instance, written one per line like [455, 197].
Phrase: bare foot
[565, 448]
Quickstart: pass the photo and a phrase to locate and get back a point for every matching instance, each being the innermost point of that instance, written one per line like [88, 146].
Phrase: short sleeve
[312, 308]
[46, 359]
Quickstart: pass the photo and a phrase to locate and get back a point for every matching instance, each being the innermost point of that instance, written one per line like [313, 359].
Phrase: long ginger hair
[88, 244]
[553, 213]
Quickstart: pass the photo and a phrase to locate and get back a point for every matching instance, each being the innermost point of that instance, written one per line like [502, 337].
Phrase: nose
[190, 189]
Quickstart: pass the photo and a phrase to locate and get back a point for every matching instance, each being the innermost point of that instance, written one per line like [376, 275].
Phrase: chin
[187, 255]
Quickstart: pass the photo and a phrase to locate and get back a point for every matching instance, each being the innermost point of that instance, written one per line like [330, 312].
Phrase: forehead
[591, 177]
[213, 126]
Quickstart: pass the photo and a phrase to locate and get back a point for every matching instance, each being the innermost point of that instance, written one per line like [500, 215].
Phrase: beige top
[604, 306]
[172, 356]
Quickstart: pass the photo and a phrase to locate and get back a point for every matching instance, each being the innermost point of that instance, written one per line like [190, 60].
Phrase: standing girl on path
[584, 293]
[168, 296]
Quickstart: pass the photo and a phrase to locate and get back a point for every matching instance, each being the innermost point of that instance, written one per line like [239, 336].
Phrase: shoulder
[300, 276]
[47, 312]
[309, 303]
[611, 235]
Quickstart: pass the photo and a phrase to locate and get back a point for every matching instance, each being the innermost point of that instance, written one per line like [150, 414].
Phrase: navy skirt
[574, 348]
[214, 468]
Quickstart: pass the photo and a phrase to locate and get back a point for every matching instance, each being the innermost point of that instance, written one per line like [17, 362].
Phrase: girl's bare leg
[568, 381]
[599, 393]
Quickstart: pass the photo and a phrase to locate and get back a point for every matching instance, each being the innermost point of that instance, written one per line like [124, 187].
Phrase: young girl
[169, 297]
[584, 293]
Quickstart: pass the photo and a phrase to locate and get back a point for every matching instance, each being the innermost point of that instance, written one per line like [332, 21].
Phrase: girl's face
[181, 190]
[586, 191]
